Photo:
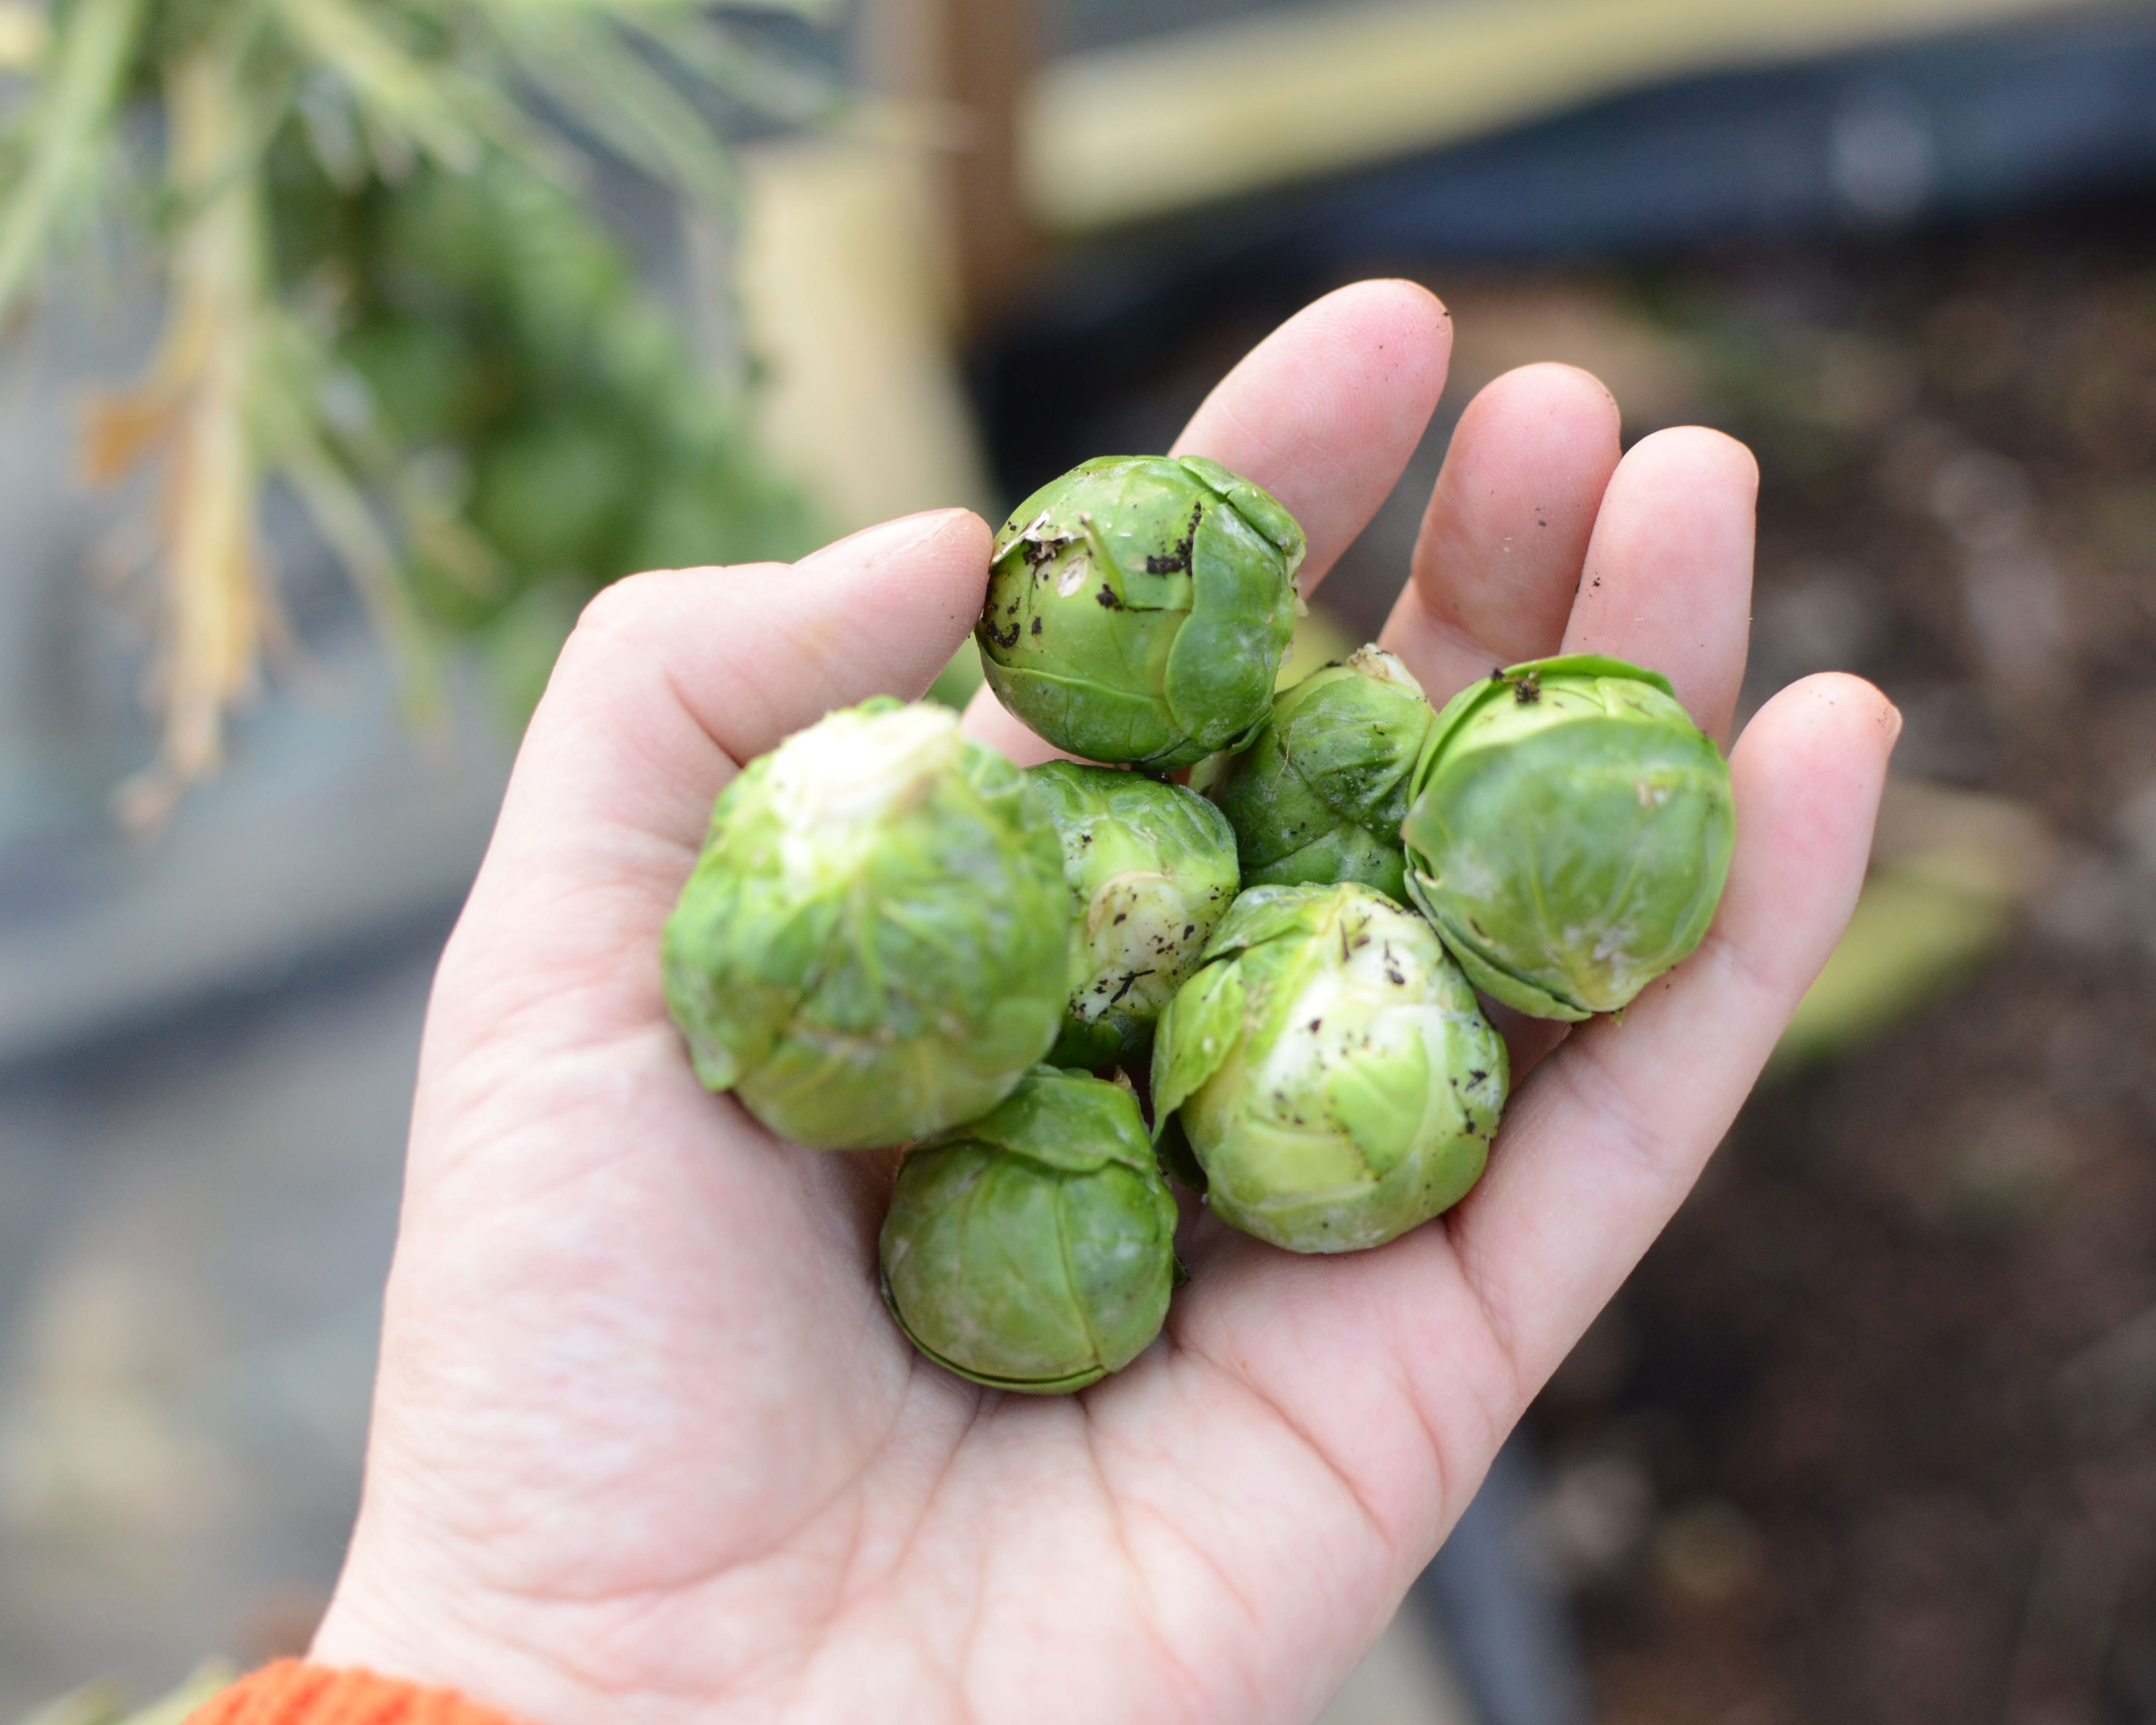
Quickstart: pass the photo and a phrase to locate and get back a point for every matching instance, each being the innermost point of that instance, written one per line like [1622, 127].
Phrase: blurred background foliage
[106, 1703]
[388, 291]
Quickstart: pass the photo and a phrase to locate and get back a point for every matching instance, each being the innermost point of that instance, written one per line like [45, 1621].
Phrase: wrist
[292, 1693]
[415, 1635]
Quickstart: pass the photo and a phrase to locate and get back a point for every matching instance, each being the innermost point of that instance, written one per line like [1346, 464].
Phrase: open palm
[647, 1447]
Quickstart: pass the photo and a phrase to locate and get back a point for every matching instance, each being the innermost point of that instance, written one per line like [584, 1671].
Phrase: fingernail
[1894, 724]
[888, 539]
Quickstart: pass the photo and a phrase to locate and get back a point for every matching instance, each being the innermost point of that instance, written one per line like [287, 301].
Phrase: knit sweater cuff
[291, 1693]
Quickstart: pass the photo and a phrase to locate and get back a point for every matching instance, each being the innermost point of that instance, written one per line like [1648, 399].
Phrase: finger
[989, 721]
[1599, 1148]
[1326, 412]
[672, 679]
[1668, 576]
[1508, 527]
[1528, 1041]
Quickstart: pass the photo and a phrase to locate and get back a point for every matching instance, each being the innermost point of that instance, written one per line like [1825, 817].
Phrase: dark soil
[1871, 1433]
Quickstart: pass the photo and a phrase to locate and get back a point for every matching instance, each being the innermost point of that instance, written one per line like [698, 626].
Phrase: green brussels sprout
[1034, 1248]
[1328, 1070]
[1139, 607]
[1319, 794]
[875, 944]
[1570, 832]
[1151, 868]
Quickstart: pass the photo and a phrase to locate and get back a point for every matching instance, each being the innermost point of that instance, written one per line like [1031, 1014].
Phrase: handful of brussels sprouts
[1051, 988]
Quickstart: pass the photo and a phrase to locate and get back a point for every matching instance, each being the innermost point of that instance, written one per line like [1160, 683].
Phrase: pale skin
[647, 1447]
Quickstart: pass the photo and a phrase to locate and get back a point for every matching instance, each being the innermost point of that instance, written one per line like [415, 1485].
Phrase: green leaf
[705, 50]
[1197, 1034]
[587, 68]
[432, 106]
[1220, 671]
[69, 122]
[100, 1703]
[1379, 1102]
[1064, 1120]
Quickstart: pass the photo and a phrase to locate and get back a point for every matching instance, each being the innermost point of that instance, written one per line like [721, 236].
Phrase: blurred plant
[1950, 871]
[388, 291]
[101, 1703]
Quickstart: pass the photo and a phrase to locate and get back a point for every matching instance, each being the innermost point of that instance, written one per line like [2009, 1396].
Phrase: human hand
[647, 1447]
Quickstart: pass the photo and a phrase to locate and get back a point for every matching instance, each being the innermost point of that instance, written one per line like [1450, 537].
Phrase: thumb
[668, 684]
[672, 681]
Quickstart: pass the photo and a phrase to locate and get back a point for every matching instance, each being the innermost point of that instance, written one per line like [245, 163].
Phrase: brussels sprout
[1139, 607]
[1151, 868]
[1328, 1069]
[1033, 1248]
[1570, 832]
[875, 944]
[1319, 794]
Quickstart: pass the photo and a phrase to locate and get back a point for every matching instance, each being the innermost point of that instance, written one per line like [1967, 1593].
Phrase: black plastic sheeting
[1947, 131]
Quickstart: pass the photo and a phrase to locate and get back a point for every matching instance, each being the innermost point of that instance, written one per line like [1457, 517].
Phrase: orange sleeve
[291, 1693]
